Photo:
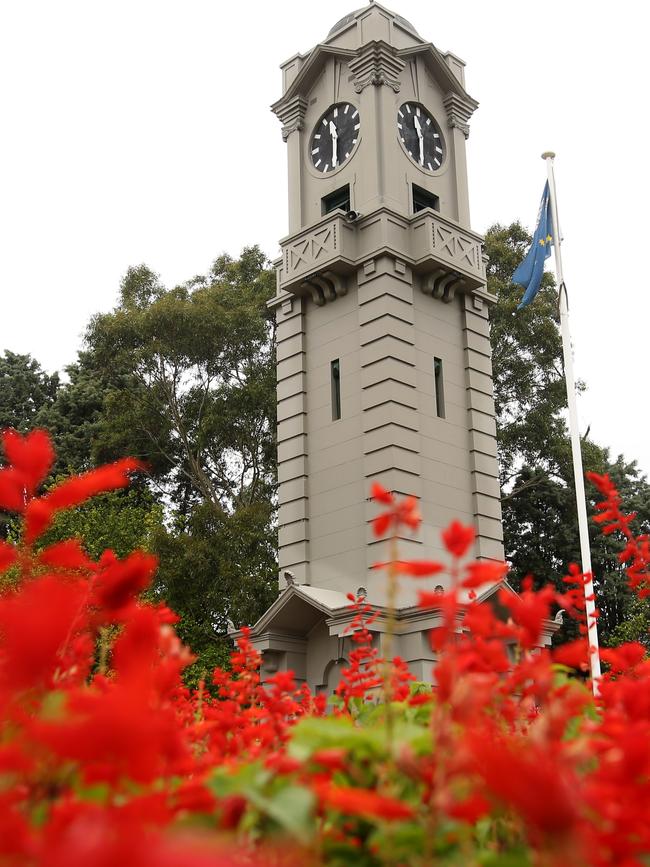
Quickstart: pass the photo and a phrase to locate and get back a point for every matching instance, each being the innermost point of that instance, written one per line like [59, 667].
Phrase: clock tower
[383, 354]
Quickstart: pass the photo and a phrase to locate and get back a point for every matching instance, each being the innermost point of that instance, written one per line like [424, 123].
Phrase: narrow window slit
[335, 375]
[439, 387]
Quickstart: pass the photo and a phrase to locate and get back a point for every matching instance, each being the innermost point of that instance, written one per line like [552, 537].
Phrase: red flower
[379, 493]
[12, 491]
[484, 572]
[332, 758]
[624, 657]
[573, 654]
[36, 624]
[402, 513]
[414, 568]
[457, 538]
[8, 555]
[362, 802]
[78, 489]
[519, 774]
[121, 580]
[31, 456]
[66, 555]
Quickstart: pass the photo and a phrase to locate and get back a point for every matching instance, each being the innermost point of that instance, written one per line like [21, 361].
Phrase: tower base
[307, 630]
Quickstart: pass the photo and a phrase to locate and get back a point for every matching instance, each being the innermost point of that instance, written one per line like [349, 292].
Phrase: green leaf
[292, 808]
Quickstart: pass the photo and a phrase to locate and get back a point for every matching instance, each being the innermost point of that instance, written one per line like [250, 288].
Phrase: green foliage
[193, 389]
[189, 387]
[218, 571]
[122, 521]
[26, 391]
[74, 416]
[538, 498]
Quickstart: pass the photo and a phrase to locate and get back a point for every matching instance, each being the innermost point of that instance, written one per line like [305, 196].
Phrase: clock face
[334, 137]
[421, 136]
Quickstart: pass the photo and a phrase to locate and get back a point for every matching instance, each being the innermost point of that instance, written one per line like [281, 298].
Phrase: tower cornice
[309, 72]
[440, 70]
[292, 115]
[459, 110]
[376, 63]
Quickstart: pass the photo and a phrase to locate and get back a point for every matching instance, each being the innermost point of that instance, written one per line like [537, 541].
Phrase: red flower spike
[414, 568]
[379, 493]
[121, 581]
[66, 555]
[31, 455]
[36, 623]
[38, 518]
[429, 599]
[625, 657]
[573, 654]
[78, 489]
[457, 538]
[484, 572]
[381, 523]
[12, 490]
[362, 802]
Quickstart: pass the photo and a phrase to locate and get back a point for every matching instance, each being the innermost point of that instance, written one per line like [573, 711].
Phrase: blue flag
[530, 271]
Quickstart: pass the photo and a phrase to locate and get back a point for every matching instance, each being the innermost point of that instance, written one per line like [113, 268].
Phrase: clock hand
[335, 140]
[418, 130]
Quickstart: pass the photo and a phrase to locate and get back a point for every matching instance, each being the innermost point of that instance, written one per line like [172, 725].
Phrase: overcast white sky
[116, 148]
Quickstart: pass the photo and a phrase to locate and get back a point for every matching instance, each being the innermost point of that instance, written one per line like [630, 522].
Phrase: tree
[189, 380]
[26, 391]
[196, 398]
[538, 498]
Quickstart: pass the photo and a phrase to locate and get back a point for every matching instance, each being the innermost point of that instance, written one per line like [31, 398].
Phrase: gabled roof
[318, 56]
[309, 72]
[440, 70]
[297, 599]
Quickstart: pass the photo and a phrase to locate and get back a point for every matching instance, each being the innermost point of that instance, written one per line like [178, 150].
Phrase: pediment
[299, 608]
[440, 71]
[309, 72]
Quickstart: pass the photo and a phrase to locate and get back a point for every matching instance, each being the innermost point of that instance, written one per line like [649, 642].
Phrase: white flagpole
[578, 472]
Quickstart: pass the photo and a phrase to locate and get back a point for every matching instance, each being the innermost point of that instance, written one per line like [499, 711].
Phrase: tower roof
[342, 23]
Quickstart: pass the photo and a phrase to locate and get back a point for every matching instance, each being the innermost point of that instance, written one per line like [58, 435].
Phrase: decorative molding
[459, 111]
[443, 284]
[311, 249]
[458, 246]
[325, 287]
[424, 242]
[292, 115]
[376, 64]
